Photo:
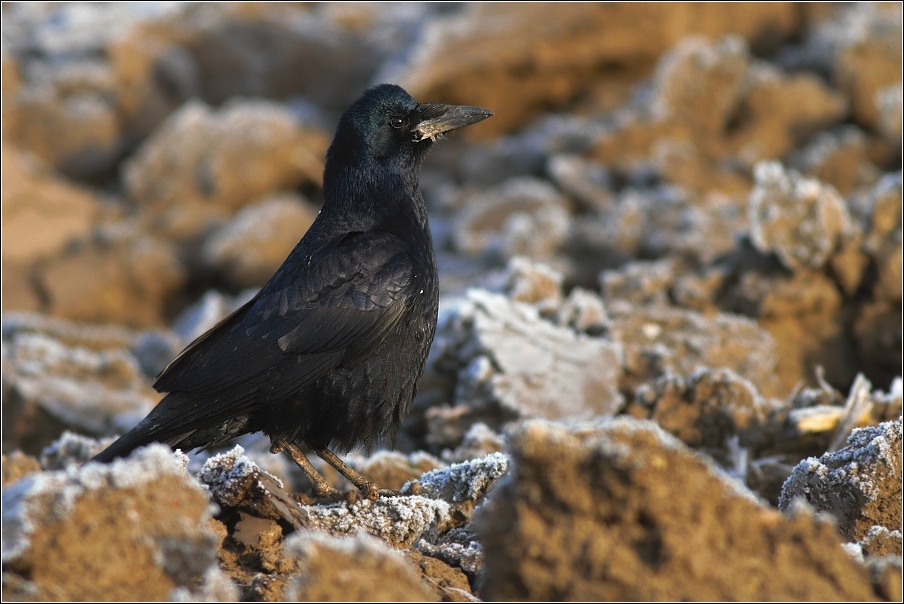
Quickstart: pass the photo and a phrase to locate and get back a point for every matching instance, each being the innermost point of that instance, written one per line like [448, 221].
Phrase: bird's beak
[440, 119]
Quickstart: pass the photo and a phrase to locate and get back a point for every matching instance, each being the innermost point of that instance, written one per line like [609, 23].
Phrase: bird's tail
[153, 428]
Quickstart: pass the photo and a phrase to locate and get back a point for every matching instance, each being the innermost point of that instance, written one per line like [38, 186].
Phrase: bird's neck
[376, 196]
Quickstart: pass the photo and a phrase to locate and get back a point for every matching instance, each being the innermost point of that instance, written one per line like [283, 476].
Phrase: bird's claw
[371, 491]
[304, 498]
[325, 491]
[315, 495]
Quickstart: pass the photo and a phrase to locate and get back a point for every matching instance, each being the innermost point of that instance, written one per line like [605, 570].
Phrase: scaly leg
[320, 486]
[368, 489]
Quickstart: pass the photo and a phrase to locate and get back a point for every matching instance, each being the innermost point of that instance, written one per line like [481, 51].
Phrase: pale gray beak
[446, 118]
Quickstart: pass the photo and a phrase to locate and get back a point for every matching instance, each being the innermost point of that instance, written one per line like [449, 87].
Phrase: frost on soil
[237, 482]
[399, 520]
[860, 485]
[466, 481]
[86, 517]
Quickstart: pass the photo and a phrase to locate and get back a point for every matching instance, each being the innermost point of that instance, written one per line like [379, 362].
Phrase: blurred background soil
[670, 344]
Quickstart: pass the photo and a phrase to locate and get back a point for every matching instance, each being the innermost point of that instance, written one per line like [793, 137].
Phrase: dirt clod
[612, 510]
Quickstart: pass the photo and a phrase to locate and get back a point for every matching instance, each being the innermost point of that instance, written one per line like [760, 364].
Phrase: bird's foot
[305, 499]
[367, 488]
[318, 493]
[320, 488]
[352, 496]
[327, 491]
[371, 491]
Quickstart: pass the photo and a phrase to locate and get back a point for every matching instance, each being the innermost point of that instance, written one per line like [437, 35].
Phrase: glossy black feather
[329, 352]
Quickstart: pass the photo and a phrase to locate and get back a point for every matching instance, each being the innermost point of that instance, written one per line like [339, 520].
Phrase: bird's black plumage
[328, 353]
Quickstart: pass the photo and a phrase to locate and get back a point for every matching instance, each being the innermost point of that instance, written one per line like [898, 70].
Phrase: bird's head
[386, 123]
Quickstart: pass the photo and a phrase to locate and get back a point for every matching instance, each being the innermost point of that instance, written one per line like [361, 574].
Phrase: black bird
[328, 354]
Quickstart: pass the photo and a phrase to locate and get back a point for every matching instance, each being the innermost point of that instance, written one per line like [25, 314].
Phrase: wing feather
[302, 323]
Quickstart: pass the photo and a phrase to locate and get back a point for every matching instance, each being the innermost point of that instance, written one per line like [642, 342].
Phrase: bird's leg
[320, 486]
[368, 489]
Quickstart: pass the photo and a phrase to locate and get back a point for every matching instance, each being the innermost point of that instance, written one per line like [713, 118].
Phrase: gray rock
[536, 235]
[860, 485]
[547, 145]
[510, 363]
[502, 159]
[247, 53]
[659, 221]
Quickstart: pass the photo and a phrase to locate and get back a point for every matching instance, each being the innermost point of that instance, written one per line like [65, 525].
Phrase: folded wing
[304, 322]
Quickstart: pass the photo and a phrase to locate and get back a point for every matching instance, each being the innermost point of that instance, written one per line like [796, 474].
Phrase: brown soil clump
[622, 511]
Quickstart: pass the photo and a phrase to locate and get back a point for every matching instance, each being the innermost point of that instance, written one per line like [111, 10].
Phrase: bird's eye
[396, 122]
